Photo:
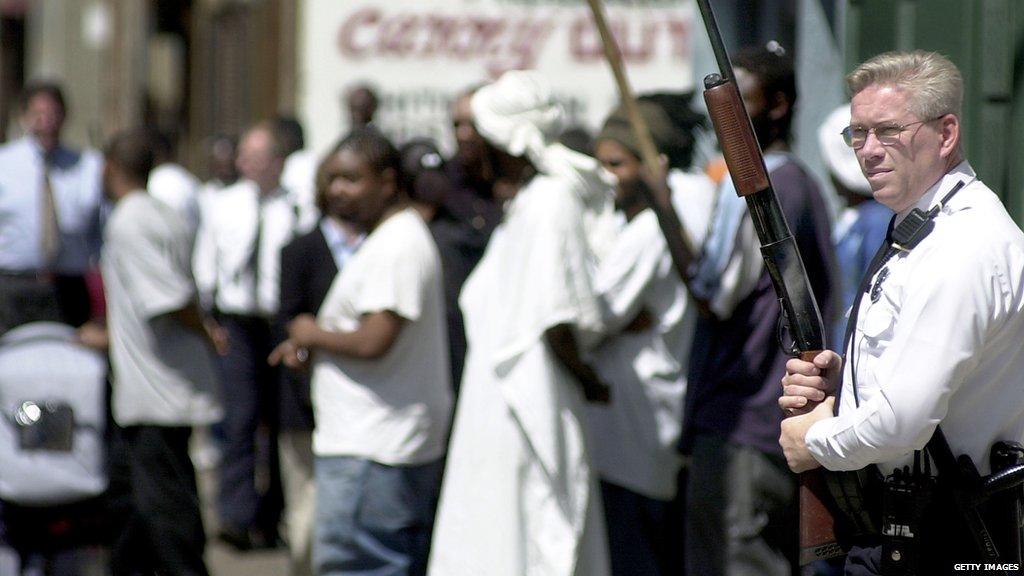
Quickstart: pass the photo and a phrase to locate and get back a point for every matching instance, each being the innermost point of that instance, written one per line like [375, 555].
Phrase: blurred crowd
[406, 363]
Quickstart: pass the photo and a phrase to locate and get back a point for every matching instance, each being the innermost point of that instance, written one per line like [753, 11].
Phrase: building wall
[64, 43]
[243, 68]
[192, 68]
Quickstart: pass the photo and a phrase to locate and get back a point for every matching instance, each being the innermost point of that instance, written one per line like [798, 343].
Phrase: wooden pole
[657, 192]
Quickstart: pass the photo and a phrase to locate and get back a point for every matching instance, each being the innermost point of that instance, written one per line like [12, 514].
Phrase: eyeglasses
[887, 134]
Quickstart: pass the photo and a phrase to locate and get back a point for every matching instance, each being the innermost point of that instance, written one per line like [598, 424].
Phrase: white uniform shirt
[75, 178]
[225, 245]
[163, 373]
[395, 409]
[634, 438]
[175, 186]
[942, 343]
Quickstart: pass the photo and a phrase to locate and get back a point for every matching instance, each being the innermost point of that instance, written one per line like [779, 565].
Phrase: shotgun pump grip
[735, 134]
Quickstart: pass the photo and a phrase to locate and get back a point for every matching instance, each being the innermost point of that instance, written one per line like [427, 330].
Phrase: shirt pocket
[878, 323]
[879, 318]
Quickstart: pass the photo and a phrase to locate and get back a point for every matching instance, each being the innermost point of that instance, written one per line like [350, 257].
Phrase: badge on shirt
[876, 288]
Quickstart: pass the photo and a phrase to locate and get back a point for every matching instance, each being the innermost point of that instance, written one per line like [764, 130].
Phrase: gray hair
[933, 83]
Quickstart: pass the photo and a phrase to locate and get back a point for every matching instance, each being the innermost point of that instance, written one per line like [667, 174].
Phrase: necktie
[50, 238]
[254, 257]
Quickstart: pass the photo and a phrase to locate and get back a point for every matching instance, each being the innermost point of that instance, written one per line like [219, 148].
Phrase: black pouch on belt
[906, 495]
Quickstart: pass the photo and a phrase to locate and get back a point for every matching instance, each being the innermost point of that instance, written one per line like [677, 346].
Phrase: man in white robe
[519, 496]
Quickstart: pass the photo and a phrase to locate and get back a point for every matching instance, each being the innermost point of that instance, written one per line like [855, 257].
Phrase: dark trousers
[161, 528]
[51, 538]
[740, 511]
[73, 299]
[643, 535]
[250, 391]
[940, 555]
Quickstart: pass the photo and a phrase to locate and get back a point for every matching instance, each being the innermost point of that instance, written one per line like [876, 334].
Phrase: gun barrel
[717, 45]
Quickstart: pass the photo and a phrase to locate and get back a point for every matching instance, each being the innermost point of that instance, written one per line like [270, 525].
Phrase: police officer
[937, 330]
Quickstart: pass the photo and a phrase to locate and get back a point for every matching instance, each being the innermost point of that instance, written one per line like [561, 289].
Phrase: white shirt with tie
[938, 341]
[223, 261]
[76, 181]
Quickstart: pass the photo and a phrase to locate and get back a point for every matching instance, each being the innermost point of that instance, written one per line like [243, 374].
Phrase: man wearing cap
[649, 321]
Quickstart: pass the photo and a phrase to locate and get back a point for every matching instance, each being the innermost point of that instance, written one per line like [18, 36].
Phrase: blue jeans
[372, 519]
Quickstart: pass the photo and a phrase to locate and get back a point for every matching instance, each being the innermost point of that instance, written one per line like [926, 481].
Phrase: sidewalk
[221, 559]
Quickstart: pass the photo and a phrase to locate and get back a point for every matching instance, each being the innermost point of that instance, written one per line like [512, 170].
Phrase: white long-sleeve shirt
[224, 247]
[943, 341]
[75, 179]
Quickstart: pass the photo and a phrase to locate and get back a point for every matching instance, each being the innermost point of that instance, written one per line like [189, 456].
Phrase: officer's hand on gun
[807, 389]
[809, 382]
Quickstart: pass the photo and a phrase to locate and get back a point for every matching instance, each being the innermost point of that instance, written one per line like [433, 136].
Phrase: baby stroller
[52, 458]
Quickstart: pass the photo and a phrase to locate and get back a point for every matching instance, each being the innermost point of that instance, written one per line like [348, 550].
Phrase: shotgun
[800, 312]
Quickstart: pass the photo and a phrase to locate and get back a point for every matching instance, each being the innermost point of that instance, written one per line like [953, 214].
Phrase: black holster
[925, 525]
[1006, 507]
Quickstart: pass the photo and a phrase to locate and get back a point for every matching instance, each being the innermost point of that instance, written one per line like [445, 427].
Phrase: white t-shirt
[175, 186]
[395, 409]
[633, 439]
[163, 373]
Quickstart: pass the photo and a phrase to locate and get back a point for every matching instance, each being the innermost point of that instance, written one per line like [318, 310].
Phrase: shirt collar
[339, 236]
[37, 149]
[274, 194]
[962, 172]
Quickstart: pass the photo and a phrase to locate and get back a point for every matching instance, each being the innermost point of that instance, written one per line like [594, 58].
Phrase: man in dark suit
[308, 267]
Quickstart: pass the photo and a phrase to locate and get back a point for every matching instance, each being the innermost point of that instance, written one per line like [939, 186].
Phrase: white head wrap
[518, 113]
[840, 158]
